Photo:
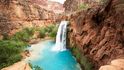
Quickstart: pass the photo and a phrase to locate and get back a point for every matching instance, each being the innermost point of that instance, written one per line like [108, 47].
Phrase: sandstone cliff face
[55, 7]
[71, 5]
[75, 5]
[17, 14]
[99, 32]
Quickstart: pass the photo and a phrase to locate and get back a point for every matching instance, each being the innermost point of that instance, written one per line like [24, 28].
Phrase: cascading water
[61, 37]
[45, 56]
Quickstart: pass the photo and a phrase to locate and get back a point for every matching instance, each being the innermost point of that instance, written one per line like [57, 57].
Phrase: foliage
[83, 60]
[11, 47]
[50, 30]
[37, 68]
[53, 31]
[24, 35]
[31, 65]
[87, 65]
[42, 31]
[10, 52]
[83, 6]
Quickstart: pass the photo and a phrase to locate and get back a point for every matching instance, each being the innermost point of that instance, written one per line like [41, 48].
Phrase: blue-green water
[52, 60]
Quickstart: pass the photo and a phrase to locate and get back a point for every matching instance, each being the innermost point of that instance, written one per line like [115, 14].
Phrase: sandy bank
[22, 65]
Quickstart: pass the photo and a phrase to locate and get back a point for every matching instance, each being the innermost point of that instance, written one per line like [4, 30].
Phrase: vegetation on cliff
[84, 61]
[98, 31]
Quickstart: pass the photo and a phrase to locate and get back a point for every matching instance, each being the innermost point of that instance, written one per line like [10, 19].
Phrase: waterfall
[61, 37]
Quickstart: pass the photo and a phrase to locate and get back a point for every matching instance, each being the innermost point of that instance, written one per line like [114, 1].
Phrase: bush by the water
[35, 67]
[50, 31]
[24, 35]
[11, 47]
[10, 52]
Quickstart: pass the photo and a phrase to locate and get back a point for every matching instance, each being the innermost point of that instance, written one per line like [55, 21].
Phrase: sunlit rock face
[71, 5]
[40, 2]
[98, 32]
[117, 64]
[18, 14]
[55, 7]
[75, 5]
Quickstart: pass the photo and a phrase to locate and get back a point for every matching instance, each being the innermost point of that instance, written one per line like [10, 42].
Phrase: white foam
[61, 37]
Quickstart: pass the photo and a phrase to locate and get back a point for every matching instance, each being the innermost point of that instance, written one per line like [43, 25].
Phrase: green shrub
[11, 47]
[31, 65]
[37, 68]
[24, 35]
[83, 6]
[53, 33]
[29, 30]
[50, 30]
[50, 27]
[5, 36]
[10, 52]
[42, 31]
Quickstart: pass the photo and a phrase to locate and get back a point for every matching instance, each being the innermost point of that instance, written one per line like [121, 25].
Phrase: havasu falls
[53, 56]
[95, 34]
[61, 37]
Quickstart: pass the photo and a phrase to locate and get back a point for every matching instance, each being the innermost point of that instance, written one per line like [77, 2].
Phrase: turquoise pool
[53, 60]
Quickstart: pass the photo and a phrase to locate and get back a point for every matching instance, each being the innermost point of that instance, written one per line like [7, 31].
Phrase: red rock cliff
[98, 32]
[17, 14]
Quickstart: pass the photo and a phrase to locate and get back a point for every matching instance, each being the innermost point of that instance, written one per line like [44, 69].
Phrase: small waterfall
[61, 37]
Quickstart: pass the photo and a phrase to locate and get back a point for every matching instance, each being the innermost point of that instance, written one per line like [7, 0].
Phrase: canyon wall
[18, 14]
[75, 5]
[98, 32]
